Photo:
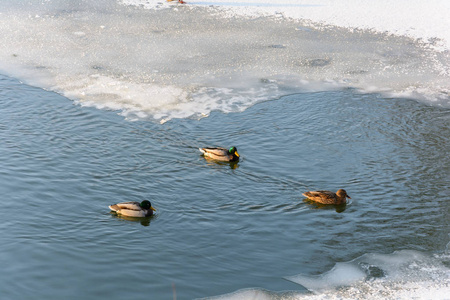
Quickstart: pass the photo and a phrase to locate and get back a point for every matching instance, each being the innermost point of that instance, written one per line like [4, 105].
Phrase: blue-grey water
[220, 228]
[104, 102]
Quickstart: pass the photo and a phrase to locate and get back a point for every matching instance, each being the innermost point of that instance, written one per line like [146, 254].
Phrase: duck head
[146, 205]
[342, 194]
[233, 151]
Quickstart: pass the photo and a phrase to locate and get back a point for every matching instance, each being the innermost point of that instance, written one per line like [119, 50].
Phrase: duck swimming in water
[327, 197]
[220, 154]
[133, 209]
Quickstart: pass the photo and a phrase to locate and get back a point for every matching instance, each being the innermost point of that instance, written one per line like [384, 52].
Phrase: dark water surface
[219, 227]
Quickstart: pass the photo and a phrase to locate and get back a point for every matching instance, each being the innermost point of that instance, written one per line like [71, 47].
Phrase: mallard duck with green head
[220, 154]
[133, 209]
[327, 197]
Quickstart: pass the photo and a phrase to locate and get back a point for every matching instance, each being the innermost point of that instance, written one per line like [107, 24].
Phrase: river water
[105, 102]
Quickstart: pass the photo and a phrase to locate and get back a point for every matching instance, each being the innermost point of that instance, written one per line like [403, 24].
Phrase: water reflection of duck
[214, 163]
[327, 197]
[220, 154]
[316, 205]
[133, 209]
[145, 221]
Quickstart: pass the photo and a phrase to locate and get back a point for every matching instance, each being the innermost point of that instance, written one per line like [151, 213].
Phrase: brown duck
[327, 197]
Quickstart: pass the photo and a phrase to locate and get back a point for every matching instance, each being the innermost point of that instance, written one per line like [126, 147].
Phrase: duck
[133, 209]
[220, 154]
[180, 1]
[327, 197]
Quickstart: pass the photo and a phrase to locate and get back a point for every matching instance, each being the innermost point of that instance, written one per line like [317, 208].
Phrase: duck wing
[132, 205]
[214, 151]
[130, 209]
[321, 196]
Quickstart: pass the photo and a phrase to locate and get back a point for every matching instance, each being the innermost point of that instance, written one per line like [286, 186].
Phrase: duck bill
[152, 208]
[237, 154]
[349, 197]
